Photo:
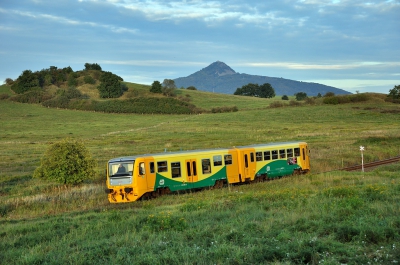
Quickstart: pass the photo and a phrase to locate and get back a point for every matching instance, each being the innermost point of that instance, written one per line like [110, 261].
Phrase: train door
[139, 177]
[150, 174]
[232, 167]
[248, 164]
[304, 156]
[191, 170]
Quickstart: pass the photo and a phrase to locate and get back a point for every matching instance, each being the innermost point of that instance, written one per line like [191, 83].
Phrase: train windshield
[121, 168]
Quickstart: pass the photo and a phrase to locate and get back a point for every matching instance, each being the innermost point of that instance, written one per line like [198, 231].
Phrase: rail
[373, 164]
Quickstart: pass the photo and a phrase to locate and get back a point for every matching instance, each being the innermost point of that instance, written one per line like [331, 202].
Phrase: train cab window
[141, 169]
[162, 166]
[267, 155]
[275, 154]
[297, 152]
[151, 167]
[176, 169]
[259, 156]
[206, 166]
[289, 152]
[228, 159]
[252, 157]
[217, 160]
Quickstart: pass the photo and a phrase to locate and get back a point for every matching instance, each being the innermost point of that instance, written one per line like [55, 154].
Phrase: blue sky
[349, 44]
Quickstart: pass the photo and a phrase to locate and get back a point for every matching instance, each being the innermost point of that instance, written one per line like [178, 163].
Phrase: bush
[66, 162]
[89, 80]
[276, 104]
[33, 97]
[284, 97]
[4, 96]
[224, 109]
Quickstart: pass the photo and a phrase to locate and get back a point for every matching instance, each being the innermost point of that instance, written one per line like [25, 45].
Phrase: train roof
[129, 158]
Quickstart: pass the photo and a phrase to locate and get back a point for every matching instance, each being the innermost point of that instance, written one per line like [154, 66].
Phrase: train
[131, 178]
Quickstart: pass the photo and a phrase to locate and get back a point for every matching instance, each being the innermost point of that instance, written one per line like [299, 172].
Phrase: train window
[189, 172]
[252, 157]
[275, 154]
[267, 155]
[176, 169]
[141, 169]
[246, 162]
[289, 152]
[297, 152]
[228, 159]
[217, 160]
[151, 167]
[282, 153]
[259, 156]
[206, 165]
[162, 166]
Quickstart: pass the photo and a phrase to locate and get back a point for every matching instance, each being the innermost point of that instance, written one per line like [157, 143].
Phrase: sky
[349, 44]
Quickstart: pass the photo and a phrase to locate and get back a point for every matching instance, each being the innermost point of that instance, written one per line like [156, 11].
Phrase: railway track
[373, 164]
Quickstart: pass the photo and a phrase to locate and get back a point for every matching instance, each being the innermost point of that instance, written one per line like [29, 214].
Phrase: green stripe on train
[278, 168]
[163, 182]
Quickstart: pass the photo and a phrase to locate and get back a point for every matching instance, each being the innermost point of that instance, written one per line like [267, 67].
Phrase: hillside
[326, 217]
[220, 78]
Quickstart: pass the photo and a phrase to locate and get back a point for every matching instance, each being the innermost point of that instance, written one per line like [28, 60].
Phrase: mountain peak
[218, 69]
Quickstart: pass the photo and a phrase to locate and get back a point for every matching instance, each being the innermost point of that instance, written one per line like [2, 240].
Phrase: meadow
[325, 217]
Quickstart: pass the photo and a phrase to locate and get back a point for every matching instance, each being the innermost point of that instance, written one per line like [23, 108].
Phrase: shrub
[66, 162]
[191, 88]
[89, 80]
[33, 97]
[285, 97]
[4, 96]
[224, 109]
[276, 104]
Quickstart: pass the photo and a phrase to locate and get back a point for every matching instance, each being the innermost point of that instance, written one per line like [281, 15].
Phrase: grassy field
[326, 217]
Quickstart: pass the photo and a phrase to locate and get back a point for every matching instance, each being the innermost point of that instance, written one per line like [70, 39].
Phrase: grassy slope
[330, 218]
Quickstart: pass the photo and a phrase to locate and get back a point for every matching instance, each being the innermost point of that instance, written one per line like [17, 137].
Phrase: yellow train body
[133, 177]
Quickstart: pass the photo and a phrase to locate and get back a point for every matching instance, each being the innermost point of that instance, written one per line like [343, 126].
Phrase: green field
[326, 217]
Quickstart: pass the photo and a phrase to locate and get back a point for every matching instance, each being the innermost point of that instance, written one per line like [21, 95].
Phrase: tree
[110, 86]
[92, 66]
[329, 94]
[169, 83]
[25, 82]
[67, 162]
[168, 88]
[266, 91]
[284, 97]
[254, 90]
[156, 87]
[191, 88]
[301, 96]
[395, 92]
[9, 81]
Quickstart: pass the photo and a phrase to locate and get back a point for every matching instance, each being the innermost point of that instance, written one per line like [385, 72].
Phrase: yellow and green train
[130, 178]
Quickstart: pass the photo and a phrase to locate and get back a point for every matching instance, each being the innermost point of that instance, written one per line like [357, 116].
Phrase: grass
[326, 217]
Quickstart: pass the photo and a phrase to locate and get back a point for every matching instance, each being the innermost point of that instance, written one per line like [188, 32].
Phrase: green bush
[224, 109]
[33, 97]
[89, 80]
[66, 162]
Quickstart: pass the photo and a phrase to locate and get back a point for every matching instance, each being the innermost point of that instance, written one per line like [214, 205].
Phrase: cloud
[302, 66]
[67, 21]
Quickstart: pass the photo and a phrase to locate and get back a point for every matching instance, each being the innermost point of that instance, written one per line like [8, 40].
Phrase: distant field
[327, 218]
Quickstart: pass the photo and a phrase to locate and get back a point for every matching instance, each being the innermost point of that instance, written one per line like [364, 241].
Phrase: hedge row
[346, 99]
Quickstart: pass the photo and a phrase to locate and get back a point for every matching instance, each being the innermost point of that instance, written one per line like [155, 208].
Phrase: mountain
[220, 78]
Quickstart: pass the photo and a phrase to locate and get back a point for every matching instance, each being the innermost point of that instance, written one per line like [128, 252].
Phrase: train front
[120, 181]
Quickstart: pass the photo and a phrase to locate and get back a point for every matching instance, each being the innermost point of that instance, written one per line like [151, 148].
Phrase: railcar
[130, 178]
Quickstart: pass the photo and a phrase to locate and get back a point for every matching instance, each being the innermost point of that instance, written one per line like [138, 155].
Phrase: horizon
[350, 45]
